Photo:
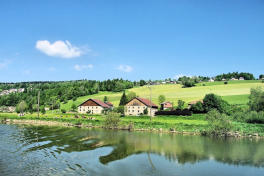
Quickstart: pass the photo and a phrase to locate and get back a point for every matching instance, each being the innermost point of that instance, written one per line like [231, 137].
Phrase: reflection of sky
[56, 156]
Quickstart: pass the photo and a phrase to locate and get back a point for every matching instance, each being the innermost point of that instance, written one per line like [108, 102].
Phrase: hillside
[235, 92]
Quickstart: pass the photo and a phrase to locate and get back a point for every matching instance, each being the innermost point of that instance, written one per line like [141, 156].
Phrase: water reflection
[183, 149]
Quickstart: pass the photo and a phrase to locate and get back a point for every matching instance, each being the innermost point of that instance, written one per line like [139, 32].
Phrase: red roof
[99, 102]
[147, 102]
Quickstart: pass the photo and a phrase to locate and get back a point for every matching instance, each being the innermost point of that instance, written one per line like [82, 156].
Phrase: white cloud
[82, 67]
[59, 49]
[125, 68]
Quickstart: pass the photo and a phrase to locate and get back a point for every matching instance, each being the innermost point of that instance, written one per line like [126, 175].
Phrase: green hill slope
[233, 92]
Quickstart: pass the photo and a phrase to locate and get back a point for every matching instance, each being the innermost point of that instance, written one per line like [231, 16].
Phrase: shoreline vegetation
[187, 125]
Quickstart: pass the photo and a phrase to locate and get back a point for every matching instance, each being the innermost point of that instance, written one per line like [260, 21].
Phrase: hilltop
[235, 92]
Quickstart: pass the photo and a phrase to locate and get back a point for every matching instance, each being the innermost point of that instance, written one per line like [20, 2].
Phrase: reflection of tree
[121, 150]
[184, 149]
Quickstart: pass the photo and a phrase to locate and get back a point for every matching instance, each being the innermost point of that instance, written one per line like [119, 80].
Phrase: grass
[194, 123]
[235, 92]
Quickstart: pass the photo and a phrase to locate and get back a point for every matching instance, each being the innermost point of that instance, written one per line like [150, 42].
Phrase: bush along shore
[197, 124]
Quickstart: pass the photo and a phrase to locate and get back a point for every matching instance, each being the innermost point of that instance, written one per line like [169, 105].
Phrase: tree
[180, 104]
[261, 76]
[161, 98]
[105, 99]
[112, 120]
[131, 95]
[73, 107]
[219, 124]
[21, 107]
[197, 107]
[212, 101]
[123, 99]
[256, 99]
[142, 83]
[42, 110]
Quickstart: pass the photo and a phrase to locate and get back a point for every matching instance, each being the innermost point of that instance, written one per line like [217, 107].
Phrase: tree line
[53, 93]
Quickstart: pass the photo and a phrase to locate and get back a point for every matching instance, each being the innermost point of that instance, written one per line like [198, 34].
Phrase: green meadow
[235, 92]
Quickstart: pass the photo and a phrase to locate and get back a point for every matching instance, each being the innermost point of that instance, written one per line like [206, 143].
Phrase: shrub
[120, 109]
[255, 117]
[212, 101]
[225, 82]
[180, 104]
[197, 108]
[256, 99]
[63, 111]
[145, 112]
[42, 110]
[73, 107]
[112, 120]
[219, 124]
[178, 112]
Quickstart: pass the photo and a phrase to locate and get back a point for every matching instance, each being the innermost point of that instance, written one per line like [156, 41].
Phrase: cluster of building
[6, 92]
[136, 106]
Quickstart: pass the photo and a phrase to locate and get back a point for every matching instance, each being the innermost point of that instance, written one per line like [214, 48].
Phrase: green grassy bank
[190, 124]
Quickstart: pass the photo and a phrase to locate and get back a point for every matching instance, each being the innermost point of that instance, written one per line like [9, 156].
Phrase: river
[44, 150]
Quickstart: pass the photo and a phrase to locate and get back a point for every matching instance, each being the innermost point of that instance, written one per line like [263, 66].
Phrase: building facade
[138, 106]
[93, 106]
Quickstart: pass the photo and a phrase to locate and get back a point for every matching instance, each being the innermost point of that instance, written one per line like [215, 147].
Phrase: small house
[94, 106]
[241, 78]
[137, 106]
[166, 105]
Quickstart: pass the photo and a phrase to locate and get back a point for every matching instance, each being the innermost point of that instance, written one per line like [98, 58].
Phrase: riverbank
[193, 125]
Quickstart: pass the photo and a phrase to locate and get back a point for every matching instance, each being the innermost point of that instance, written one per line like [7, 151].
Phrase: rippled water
[43, 150]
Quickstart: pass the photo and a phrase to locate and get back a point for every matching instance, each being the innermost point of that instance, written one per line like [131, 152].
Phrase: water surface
[42, 150]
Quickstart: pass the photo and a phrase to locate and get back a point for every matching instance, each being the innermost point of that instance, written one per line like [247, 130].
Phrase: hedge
[177, 112]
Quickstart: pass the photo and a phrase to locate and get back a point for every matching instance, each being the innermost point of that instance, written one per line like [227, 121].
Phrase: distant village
[7, 92]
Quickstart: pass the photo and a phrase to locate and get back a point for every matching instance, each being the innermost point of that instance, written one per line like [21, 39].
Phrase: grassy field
[235, 92]
[194, 123]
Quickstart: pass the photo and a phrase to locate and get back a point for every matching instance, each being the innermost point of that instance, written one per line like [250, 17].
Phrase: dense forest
[236, 75]
[52, 93]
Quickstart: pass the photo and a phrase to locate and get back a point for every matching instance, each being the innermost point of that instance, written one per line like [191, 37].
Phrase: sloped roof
[146, 102]
[99, 102]
[194, 102]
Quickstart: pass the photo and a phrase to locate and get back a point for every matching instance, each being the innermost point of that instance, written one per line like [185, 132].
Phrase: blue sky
[132, 39]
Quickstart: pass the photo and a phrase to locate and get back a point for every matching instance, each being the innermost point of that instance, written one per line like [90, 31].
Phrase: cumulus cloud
[125, 68]
[59, 49]
[82, 67]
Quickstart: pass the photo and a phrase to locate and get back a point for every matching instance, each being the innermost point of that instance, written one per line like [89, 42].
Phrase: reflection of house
[166, 105]
[194, 102]
[137, 105]
[93, 106]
